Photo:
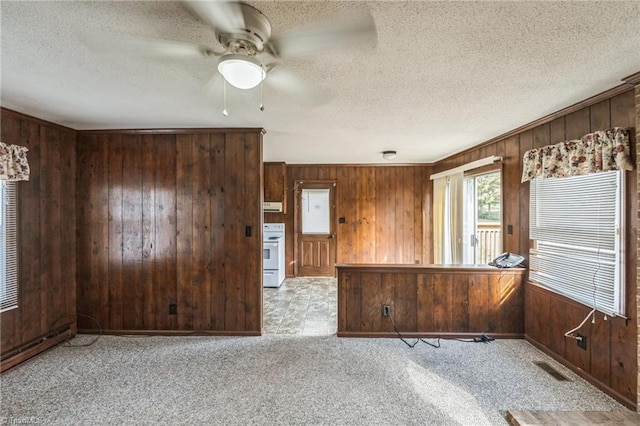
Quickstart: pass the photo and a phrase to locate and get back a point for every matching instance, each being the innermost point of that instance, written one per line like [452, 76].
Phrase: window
[482, 224]
[316, 211]
[578, 238]
[8, 247]
[467, 213]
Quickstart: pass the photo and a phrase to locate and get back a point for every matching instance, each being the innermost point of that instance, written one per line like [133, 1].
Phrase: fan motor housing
[256, 31]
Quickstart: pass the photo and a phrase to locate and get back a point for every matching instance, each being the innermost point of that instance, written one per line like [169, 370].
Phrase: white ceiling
[444, 75]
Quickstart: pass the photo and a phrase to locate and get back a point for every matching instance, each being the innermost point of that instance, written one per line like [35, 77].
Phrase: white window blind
[576, 223]
[8, 247]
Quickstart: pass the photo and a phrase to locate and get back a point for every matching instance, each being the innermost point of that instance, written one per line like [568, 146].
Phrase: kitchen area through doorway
[297, 306]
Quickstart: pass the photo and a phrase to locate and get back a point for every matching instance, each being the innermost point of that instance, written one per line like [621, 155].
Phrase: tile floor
[305, 306]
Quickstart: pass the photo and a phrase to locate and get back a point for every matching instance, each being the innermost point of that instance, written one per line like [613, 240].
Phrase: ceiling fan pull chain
[224, 110]
[261, 95]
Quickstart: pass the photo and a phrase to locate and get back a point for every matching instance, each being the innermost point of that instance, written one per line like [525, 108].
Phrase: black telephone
[507, 260]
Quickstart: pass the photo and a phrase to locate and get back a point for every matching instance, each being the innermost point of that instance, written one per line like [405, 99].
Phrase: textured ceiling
[444, 75]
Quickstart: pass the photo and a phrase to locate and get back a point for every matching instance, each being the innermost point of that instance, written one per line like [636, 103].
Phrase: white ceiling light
[389, 155]
[241, 71]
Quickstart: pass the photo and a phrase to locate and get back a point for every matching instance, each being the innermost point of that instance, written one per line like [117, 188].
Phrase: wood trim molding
[633, 79]
[171, 332]
[410, 268]
[359, 164]
[22, 116]
[627, 86]
[606, 389]
[426, 335]
[173, 131]
[36, 350]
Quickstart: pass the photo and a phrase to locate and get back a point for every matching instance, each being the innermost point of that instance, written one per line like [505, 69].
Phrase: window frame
[485, 170]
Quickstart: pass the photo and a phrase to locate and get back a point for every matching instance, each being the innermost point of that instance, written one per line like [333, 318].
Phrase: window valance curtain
[13, 162]
[595, 152]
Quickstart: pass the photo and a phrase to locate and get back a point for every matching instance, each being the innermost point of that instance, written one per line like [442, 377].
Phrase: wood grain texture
[611, 358]
[46, 214]
[429, 300]
[557, 418]
[611, 355]
[275, 183]
[162, 221]
[253, 182]
[385, 209]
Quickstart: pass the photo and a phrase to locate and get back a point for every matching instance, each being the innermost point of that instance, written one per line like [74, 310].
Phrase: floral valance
[595, 152]
[13, 162]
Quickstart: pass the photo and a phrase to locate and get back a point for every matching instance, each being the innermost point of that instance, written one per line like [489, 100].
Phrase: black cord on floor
[482, 339]
[67, 342]
[412, 345]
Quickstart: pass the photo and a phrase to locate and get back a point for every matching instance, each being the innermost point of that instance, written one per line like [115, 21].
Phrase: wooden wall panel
[253, 246]
[371, 293]
[163, 220]
[511, 174]
[611, 356]
[148, 233]
[624, 338]
[184, 228]
[275, 183]
[47, 244]
[116, 234]
[525, 143]
[132, 229]
[384, 209]
[428, 300]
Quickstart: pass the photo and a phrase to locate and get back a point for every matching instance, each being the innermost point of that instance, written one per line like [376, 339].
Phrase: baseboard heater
[35, 347]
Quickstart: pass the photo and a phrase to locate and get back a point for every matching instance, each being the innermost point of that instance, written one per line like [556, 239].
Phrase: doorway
[315, 228]
[482, 229]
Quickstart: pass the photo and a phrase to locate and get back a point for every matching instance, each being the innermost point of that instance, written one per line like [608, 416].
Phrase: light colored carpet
[288, 380]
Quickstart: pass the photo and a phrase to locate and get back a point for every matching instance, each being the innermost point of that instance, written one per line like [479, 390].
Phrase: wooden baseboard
[427, 335]
[172, 332]
[32, 351]
[588, 377]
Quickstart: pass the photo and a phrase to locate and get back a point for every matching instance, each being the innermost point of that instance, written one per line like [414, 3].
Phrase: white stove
[273, 254]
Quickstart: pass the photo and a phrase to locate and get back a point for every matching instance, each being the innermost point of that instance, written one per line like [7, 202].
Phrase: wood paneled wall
[383, 209]
[162, 220]
[610, 359]
[430, 300]
[46, 231]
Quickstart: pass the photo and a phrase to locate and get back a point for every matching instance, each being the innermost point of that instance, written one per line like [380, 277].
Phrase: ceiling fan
[244, 33]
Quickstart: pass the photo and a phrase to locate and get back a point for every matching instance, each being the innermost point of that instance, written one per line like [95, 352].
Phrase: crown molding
[633, 79]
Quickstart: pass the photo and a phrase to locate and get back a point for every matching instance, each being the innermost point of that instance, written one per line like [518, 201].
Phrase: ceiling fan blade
[355, 30]
[289, 82]
[224, 16]
[145, 46]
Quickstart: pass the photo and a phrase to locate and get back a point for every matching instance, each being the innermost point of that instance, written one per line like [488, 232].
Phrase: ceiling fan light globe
[243, 72]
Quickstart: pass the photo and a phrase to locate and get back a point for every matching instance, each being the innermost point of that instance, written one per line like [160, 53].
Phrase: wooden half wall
[430, 300]
[610, 360]
[170, 231]
[46, 235]
[383, 209]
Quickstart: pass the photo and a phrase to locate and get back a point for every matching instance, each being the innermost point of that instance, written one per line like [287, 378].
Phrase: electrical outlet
[582, 342]
[173, 309]
[386, 310]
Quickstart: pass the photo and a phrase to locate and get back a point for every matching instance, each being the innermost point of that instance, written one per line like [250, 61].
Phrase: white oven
[270, 255]
[273, 255]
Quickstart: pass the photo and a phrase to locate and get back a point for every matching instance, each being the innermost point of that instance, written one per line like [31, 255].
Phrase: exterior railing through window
[489, 236]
